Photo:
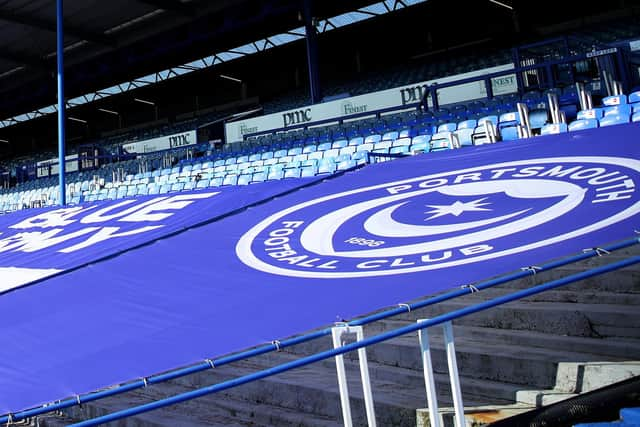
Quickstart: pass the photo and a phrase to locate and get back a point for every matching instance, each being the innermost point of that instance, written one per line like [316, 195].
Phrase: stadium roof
[104, 35]
[107, 43]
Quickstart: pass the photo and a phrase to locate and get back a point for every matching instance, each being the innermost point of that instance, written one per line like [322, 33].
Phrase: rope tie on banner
[407, 306]
[598, 251]
[210, 363]
[532, 268]
[78, 399]
[9, 419]
[145, 381]
[277, 344]
[473, 288]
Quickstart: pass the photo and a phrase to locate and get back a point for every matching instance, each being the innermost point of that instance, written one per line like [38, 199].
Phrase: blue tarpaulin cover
[369, 239]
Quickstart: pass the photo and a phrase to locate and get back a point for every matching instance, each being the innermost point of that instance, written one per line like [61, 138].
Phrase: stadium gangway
[401, 308]
[420, 325]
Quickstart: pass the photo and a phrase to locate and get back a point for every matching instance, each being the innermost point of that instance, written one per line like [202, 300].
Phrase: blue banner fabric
[372, 238]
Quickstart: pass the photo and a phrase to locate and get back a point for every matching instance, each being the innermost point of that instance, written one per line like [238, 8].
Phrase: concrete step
[314, 389]
[587, 320]
[600, 347]
[205, 411]
[484, 359]
[620, 281]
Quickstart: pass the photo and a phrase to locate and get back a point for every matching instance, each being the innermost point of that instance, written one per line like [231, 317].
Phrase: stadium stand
[566, 332]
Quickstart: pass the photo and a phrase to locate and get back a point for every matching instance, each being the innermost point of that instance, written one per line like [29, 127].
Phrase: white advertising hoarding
[389, 98]
[162, 143]
[50, 167]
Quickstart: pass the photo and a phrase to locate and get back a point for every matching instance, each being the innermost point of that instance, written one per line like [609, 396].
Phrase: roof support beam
[22, 59]
[44, 25]
[171, 6]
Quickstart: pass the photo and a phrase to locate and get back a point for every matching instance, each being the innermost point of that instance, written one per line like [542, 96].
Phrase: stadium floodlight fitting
[233, 79]
[499, 3]
[75, 119]
[4, 140]
[104, 110]
[143, 101]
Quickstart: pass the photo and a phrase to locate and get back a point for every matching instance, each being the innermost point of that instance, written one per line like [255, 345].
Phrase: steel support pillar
[61, 104]
[312, 53]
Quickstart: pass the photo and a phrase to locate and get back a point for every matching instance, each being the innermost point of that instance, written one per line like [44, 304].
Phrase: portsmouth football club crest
[446, 219]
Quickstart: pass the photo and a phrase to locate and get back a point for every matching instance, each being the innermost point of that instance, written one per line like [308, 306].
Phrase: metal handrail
[456, 314]
[275, 346]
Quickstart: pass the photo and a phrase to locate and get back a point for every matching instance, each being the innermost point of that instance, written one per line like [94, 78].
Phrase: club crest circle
[445, 219]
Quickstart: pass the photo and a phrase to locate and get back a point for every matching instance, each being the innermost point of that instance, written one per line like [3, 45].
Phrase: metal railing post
[337, 333]
[429, 380]
[456, 390]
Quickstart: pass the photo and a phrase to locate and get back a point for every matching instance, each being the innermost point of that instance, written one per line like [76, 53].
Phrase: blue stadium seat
[254, 157]
[203, 183]
[259, 177]
[382, 145]
[365, 147]
[230, 180]
[372, 139]
[583, 124]
[275, 174]
[324, 146]
[447, 127]
[142, 189]
[347, 150]
[177, 186]
[441, 141]
[266, 156]
[402, 142]
[216, 182]
[310, 148]
[326, 166]
[614, 100]
[317, 155]
[309, 171]
[310, 162]
[464, 136]
[614, 119]
[230, 161]
[358, 140]
[164, 189]
[593, 113]
[189, 186]
[334, 152]
[346, 164]
[244, 179]
[636, 117]
[390, 136]
[618, 110]
[294, 151]
[634, 98]
[280, 153]
[360, 157]
[403, 149]
[406, 133]
[420, 143]
[509, 133]
[340, 143]
[292, 173]
[468, 124]
[552, 129]
[153, 188]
